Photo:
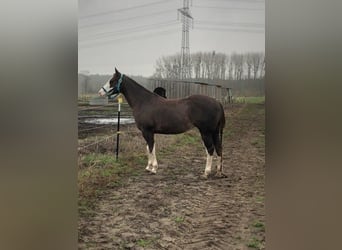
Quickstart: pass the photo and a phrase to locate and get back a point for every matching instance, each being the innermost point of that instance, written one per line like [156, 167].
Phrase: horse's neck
[135, 94]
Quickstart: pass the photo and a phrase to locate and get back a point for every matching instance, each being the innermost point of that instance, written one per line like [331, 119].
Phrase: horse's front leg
[152, 164]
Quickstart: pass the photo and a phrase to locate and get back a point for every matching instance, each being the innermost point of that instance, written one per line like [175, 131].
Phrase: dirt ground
[176, 209]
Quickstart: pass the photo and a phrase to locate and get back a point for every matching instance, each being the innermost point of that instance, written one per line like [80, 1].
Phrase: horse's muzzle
[101, 92]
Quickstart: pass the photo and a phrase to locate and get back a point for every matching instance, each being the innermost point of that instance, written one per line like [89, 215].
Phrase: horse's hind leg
[217, 138]
[209, 145]
[152, 164]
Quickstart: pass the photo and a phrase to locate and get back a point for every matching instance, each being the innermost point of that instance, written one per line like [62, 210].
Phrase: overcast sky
[132, 34]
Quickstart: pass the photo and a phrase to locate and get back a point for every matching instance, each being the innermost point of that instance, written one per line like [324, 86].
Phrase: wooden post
[118, 127]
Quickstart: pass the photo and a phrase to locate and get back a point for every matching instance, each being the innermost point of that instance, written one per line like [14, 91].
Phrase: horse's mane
[141, 87]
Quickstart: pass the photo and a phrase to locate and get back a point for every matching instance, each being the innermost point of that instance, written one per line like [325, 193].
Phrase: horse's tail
[222, 123]
[218, 137]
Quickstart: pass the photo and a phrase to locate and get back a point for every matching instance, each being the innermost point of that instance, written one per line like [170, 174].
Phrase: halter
[119, 83]
[110, 92]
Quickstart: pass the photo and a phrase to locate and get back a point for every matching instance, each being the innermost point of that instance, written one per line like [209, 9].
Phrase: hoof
[151, 169]
[154, 169]
[204, 176]
[220, 175]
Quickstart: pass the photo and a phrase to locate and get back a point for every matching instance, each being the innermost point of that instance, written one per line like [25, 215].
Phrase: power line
[131, 38]
[228, 8]
[125, 19]
[261, 25]
[239, 1]
[125, 31]
[230, 29]
[124, 9]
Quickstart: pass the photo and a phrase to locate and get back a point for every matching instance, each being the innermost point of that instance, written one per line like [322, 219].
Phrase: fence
[181, 89]
[248, 87]
[87, 130]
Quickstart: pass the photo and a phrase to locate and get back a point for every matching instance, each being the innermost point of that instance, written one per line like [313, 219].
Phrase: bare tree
[256, 63]
[249, 62]
[237, 60]
[229, 64]
[263, 64]
[222, 62]
[160, 71]
[206, 65]
[196, 60]
[212, 65]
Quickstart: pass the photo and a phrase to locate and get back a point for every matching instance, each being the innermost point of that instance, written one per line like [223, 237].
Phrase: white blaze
[106, 87]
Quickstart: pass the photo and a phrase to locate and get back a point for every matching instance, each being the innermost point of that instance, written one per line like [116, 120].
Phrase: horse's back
[205, 112]
[205, 103]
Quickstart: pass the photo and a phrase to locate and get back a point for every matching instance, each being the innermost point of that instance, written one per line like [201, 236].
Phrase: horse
[160, 91]
[154, 114]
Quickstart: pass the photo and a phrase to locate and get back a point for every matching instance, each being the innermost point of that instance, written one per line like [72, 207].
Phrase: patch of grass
[189, 138]
[168, 190]
[228, 132]
[98, 160]
[255, 99]
[259, 199]
[140, 160]
[100, 172]
[179, 219]
[259, 225]
[255, 142]
[259, 142]
[249, 99]
[123, 245]
[239, 99]
[144, 242]
[254, 243]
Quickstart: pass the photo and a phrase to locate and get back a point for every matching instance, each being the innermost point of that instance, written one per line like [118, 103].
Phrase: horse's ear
[116, 71]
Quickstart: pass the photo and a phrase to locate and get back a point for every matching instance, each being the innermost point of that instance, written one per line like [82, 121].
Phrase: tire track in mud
[175, 209]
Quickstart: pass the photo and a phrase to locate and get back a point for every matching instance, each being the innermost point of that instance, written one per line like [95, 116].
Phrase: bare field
[123, 207]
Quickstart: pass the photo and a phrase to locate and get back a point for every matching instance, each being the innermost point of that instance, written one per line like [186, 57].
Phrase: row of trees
[211, 65]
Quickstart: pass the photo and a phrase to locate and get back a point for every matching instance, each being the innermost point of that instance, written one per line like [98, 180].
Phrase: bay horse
[154, 114]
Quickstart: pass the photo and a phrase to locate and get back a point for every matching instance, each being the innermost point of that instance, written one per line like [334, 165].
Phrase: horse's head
[113, 86]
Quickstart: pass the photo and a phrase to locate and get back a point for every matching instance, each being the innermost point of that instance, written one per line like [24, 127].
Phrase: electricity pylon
[186, 19]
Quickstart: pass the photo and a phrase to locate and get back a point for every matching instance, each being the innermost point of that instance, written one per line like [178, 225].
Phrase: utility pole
[186, 18]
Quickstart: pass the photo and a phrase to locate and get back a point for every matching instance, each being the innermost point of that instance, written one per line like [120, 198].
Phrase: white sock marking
[152, 164]
[208, 164]
[154, 159]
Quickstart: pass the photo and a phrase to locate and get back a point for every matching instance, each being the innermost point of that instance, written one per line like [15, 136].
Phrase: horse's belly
[173, 126]
[172, 130]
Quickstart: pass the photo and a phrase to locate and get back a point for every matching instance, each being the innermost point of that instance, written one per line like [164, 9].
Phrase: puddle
[109, 121]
